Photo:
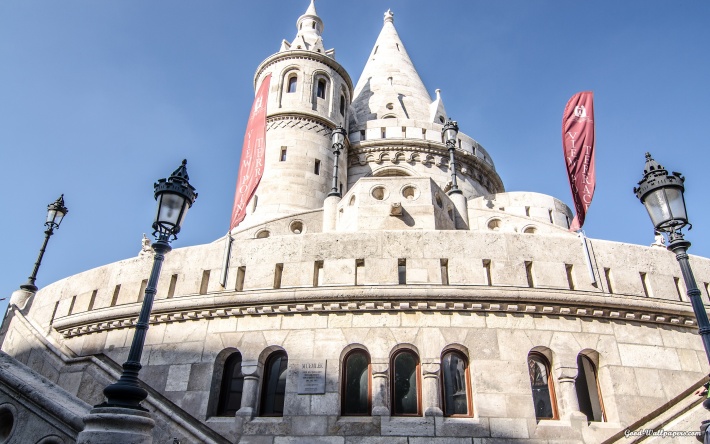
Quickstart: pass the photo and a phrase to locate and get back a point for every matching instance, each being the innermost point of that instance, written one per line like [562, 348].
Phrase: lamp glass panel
[676, 203]
[658, 207]
[51, 214]
[338, 137]
[450, 134]
[59, 215]
[169, 208]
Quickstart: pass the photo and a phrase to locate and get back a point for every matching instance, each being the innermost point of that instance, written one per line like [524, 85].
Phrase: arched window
[342, 105]
[273, 391]
[588, 393]
[320, 91]
[405, 384]
[356, 383]
[230, 394]
[543, 391]
[292, 82]
[457, 390]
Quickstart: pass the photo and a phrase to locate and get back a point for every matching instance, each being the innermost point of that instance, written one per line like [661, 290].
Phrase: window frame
[319, 82]
[265, 381]
[595, 372]
[467, 376]
[550, 384]
[419, 382]
[292, 79]
[343, 382]
[225, 392]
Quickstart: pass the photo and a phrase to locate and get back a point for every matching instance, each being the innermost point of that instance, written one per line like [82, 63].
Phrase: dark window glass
[320, 92]
[405, 384]
[356, 380]
[454, 370]
[342, 105]
[587, 387]
[292, 81]
[230, 395]
[541, 384]
[274, 390]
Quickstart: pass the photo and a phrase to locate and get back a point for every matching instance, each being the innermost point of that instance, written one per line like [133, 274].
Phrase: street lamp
[175, 196]
[662, 195]
[338, 142]
[55, 213]
[449, 133]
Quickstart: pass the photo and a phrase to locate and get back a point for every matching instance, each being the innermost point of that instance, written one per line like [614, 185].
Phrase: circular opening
[439, 203]
[530, 230]
[390, 106]
[494, 224]
[378, 192]
[441, 119]
[7, 422]
[296, 227]
[409, 192]
[352, 200]
[263, 234]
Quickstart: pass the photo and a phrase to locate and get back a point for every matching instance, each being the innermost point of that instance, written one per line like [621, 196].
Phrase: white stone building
[397, 313]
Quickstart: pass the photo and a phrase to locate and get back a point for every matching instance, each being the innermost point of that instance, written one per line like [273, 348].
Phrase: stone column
[252, 373]
[110, 425]
[330, 213]
[431, 395]
[380, 394]
[461, 205]
[567, 399]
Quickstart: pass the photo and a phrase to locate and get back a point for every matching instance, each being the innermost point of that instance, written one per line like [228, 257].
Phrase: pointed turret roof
[308, 38]
[389, 85]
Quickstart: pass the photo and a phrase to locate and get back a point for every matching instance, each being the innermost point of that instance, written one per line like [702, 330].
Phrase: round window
[379, 192]
[7, 422]
[296, 227]
[410, 192]
[263, 234]
[494, 224]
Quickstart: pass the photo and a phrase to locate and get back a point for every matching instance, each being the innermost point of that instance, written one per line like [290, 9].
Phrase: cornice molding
[356, 299]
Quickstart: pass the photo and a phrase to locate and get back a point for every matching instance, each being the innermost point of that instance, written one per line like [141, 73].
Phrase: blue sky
[100, 99]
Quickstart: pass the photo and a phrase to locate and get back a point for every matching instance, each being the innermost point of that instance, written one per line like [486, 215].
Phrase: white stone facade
[395, 264]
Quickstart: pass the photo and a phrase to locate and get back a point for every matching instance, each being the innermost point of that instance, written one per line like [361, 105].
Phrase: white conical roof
[308, 38]
[389, 85]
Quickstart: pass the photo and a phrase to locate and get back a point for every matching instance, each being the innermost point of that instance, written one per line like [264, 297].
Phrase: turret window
[292, 83]
[320, 91]
[342, 105]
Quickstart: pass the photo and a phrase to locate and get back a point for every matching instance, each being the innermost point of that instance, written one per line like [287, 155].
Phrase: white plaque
[311, 377]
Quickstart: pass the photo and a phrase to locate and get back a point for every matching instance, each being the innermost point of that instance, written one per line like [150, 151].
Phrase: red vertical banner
[578, 148]
[251, 164]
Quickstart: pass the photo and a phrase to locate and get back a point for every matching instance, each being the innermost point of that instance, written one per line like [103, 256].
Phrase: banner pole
[225, 261]
[587, 258]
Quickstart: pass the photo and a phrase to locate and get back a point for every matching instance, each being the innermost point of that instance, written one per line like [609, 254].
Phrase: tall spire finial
[311, 9]
[389, 16]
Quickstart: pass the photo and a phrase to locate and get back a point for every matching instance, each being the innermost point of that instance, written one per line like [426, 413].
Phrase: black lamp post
[55, 213]
[338, 138]
[449, 132]
[175, 196]
[662, 195]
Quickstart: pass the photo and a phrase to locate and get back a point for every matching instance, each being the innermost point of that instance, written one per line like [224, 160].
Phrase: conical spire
[308, 38]
[389, 85]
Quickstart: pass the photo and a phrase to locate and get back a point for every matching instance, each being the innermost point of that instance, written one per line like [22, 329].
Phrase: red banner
[251, 166]
[578, 148]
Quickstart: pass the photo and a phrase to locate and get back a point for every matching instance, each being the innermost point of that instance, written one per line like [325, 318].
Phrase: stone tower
[309, 95]
[395, 126]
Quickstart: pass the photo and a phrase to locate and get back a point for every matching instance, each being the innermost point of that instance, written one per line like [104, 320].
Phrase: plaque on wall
[311, 377]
